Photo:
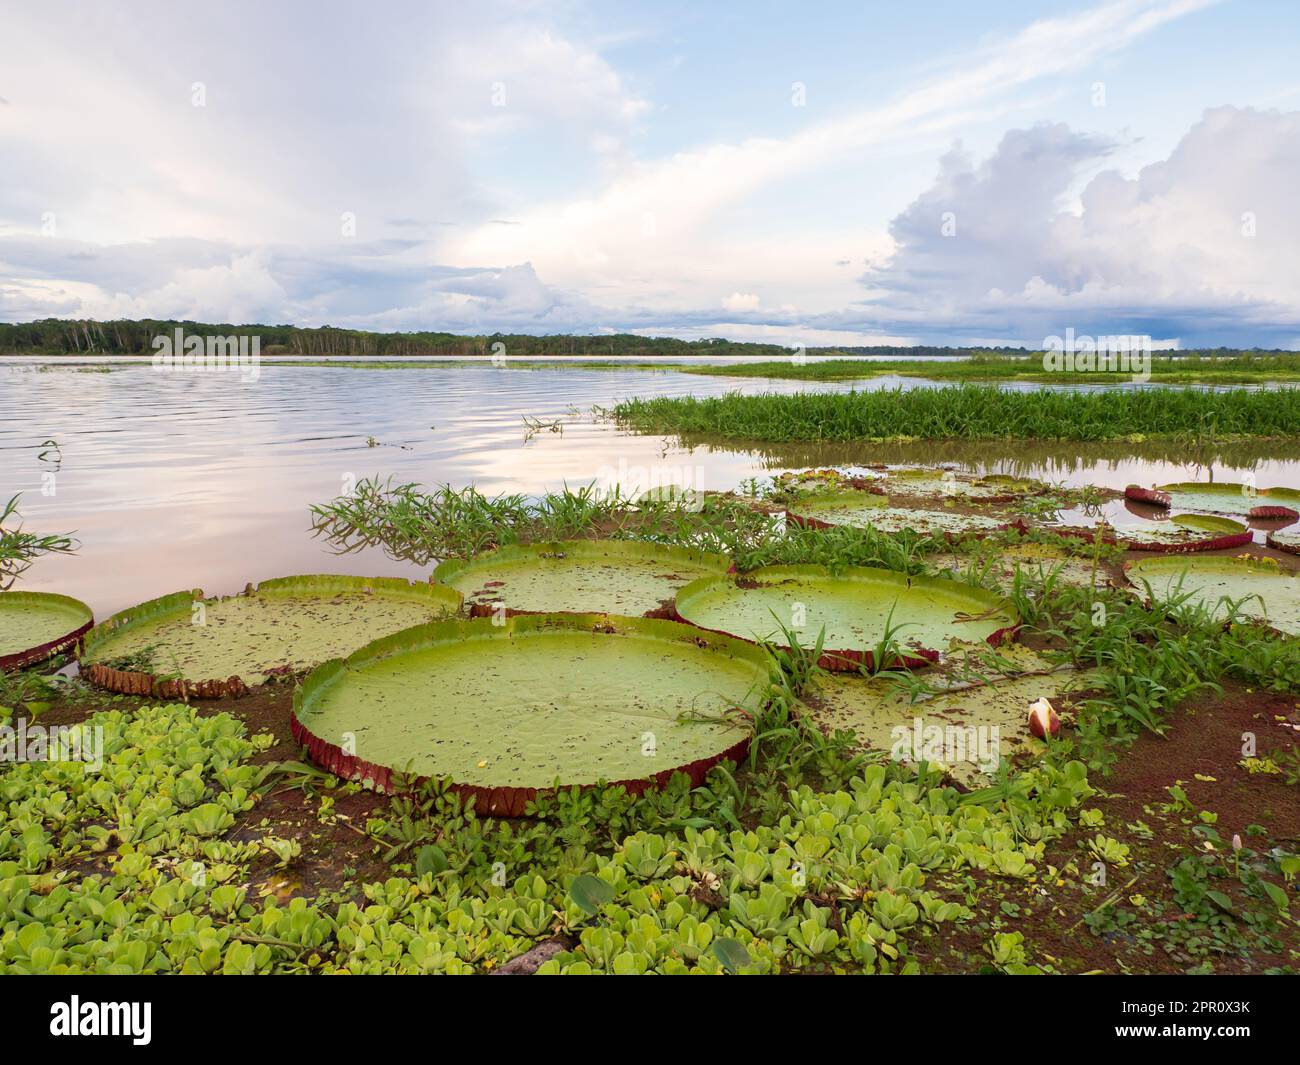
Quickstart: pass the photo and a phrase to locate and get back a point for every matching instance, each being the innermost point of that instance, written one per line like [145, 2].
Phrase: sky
[807, 174]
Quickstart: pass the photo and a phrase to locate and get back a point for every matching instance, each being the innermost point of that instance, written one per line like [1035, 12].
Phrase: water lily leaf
[1226, 497]
[867, 510]
[1263, 589]
[504, 711]
[968, 731]
[36, 625]
[291, 623]
[851, 607]
[581, 576]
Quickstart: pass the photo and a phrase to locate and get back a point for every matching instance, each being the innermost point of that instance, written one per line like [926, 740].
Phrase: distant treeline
[54, 336]
[57, 336]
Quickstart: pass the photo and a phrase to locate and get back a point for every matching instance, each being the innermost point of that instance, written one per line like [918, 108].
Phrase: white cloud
[385, 117]
[605, 236]
[1189, 244]
[540, 215]
[741, 301]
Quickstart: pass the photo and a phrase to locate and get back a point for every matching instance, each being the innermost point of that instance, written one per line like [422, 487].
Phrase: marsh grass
[19, 549]
[420, 526]
[973, 412]
[1242, 369]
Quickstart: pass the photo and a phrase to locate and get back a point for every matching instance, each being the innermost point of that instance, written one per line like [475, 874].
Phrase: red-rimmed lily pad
[1284, 541]
[859, 509]
[933, 482]
[185, 645]
[544, 700]
[828, 479]
[852, 607]
[37, 625]
[1038, 563]
[1177, 535]
[1263, 589]
[967, 727]
[1222, 498]
[578, 576]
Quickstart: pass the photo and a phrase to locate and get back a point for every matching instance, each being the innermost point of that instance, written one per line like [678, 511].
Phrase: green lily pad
[36, 625]
[1036, 561]
[543, 700]
[816, 481]
[852, 608]
[966, 731]
[1228, 497]
[578, 576]
[935, 482]
[867, 510]
[1270, 593]
[1180, 533]
[1285, 541]
[1185, 530]
[840, 507]
[686, 497]
[285, 625]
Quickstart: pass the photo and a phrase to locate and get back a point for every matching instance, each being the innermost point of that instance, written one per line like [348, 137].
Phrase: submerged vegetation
[972, 412]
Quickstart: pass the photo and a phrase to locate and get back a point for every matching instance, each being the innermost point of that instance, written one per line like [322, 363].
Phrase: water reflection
[1071, 462]
[198, 480]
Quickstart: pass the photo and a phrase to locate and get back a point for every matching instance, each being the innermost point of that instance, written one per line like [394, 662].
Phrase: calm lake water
[175, 481]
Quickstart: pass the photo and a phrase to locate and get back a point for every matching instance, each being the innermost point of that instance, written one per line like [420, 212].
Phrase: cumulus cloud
[1201, 246]
[232, 123]
[490, 167]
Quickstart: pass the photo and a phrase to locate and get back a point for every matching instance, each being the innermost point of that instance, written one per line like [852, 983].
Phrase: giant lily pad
[1039, 563]
[868, 510]
[578, 576]
[183, 644]
[1284, 541]
[852, 607]
[1265, 591]
[968, 731]
[36, 625]
[989, 488]
[1222, 498]
[1179, 534]
[839, 507]
[823, 480]
[505, 711]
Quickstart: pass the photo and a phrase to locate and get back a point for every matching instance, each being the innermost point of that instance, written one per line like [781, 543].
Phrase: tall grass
[972, 412]
[1231, 369]
[419, 526]
[18, 549]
